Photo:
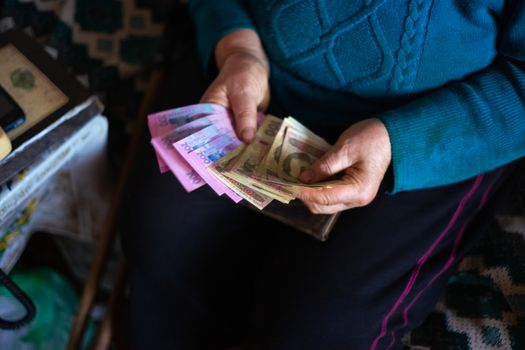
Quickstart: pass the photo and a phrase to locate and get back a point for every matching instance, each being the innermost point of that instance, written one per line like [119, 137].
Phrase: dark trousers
[208, 274]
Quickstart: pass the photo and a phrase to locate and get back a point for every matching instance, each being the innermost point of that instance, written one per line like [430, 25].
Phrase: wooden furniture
[108, 235]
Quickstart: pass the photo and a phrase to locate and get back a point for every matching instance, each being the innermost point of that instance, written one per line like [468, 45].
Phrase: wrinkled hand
[362, 153]
[242, 83]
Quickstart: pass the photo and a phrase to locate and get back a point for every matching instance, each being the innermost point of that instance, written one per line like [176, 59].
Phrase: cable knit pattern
[412, 41]
[326, 38]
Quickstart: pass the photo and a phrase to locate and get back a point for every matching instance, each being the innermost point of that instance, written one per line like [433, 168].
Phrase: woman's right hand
[242, 84]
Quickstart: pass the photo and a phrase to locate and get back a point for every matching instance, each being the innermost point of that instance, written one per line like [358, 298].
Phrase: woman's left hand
[362, 153]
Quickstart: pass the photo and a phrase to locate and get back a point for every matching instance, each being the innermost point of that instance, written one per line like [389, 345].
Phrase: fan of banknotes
[199, 146]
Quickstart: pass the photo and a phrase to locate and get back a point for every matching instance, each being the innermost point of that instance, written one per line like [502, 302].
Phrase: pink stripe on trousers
[421, 261]
[447, 265]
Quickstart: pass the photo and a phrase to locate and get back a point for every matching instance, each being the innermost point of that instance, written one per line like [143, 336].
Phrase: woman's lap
[206, 271]
[188, 254]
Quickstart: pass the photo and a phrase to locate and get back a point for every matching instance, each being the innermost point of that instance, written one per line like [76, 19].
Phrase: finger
[326, 209]
[335, 160]
[351, 195]
[244, 106]
[328, 196]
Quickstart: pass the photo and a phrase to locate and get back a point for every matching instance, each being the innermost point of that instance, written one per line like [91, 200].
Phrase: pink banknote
[201, 123]
[199, 139]
[162, 122]
[188, 177]
[163, 145]
[203, 157]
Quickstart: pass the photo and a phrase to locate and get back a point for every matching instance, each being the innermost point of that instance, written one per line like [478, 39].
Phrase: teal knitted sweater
[447, 77]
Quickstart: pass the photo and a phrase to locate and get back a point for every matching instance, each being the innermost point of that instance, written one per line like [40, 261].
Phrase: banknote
[257, 198]
[207, 134]
[270, 165]
[203, 157]
[199, 139]
[163, 145]
[274, 190]
[225, 164]
[162, 122]
[298, 152]
[202, 122]
[251, 195]
[244, 167]
[186, 175]
[253, 155]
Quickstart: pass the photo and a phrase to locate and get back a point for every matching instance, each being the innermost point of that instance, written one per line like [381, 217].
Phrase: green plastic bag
[56, 302]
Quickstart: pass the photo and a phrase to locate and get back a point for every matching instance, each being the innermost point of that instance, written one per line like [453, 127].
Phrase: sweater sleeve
[214, 19]
[466, 127]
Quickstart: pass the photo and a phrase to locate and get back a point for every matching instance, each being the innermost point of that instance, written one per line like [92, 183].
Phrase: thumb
[335, 160]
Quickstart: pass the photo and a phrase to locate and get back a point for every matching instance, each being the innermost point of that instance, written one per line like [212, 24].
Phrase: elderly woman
[427, 102]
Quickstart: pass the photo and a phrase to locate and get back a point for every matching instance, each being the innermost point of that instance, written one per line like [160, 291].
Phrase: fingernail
[306, 176]
[248, 134]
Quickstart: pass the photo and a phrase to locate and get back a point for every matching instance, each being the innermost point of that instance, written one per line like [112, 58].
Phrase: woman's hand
[242, 83]
[363, 154]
